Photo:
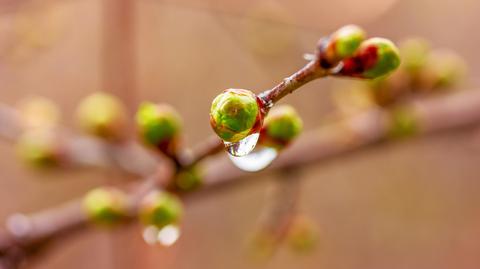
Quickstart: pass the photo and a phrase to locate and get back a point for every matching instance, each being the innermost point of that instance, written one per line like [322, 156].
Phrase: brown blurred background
[413, 204]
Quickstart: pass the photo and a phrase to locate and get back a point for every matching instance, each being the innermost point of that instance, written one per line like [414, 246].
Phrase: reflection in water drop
[255, 161]
[242, 147]
[150, 235]
[168, 235]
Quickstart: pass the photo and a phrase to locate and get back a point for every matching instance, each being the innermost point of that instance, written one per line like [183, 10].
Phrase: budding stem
[308, 73]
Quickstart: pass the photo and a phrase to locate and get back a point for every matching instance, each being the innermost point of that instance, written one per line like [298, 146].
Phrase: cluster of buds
[349, 52]
[105, 206]
[423, 71]
[103, 115]
[159, 126]
[281, 126]
[236, 113]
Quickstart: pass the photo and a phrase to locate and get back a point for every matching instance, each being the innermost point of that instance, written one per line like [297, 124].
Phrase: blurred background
[412, 204]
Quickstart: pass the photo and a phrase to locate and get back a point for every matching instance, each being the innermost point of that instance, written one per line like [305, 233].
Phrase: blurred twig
[334, 139]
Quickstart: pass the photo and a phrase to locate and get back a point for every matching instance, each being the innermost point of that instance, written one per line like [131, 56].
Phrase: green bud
[347, 39]
[342, 44]
[388, 57]
[446, 68]
[262, 245]
[102, 115]
[235, 114]
[414, 53]
[189, 179]
[374, 58]
[159, 126]
[160, 209]
[41, 147]
[105, 206]
[403, 123]
[281, 126]
[302, 236]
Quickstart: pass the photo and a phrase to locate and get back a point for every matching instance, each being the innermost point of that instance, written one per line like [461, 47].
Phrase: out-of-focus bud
[41, 147]
[444, 69]
[374, 58]
[235, 114]
[414, 53]
[302, 237]
[403, 123]
[340, 45]
[38, 112]
[105, 205]
[281, 126]
[189, 179]
[160, 209]
[102, 115]
[159, 126]
[262, 245]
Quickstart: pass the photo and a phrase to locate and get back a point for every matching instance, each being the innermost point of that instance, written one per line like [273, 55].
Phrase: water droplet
[256, 160]
[150, 235]
[309, 56]
[168, 235]
[242, 147]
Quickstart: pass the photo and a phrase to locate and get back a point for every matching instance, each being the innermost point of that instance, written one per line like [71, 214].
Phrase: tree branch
[331, 140]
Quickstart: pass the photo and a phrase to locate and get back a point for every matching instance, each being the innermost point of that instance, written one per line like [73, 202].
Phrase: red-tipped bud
[374, 58]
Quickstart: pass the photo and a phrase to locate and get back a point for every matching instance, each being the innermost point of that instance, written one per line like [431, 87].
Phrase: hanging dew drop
[256, 160]
[168, 235]
[150, 235]
[242, 147]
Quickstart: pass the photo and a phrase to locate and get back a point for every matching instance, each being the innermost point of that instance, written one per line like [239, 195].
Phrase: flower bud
[235, 114]
[281, 126]
[105, 205]
[159, 126]
[341, 44]
[38, 112]
[160, 209]
[262, 245]
[188, 179]
[41, 147]
[403, 123]
[444, 69]
[102, 115]
[374, 58]
[302, 236]
[414, 53]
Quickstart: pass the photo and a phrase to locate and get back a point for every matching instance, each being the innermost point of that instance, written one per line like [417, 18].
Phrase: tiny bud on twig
[281, 126]
[41, 147]
[159, 209]
[159, 126]
[105, 206]
[102, 115]
[374, 58]
[341, 44]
